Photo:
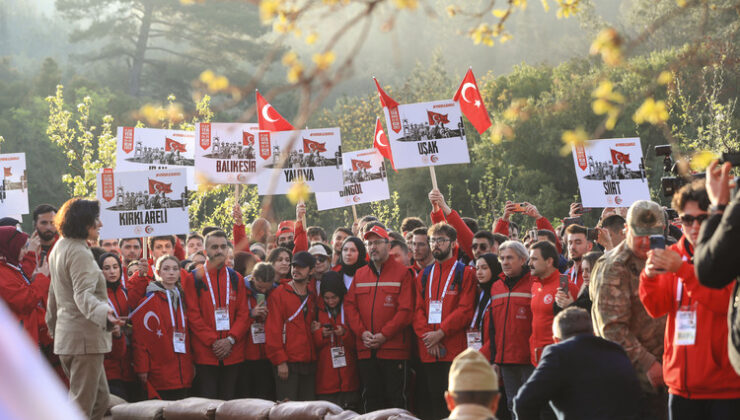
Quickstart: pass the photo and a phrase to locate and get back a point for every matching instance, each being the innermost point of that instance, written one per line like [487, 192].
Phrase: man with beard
[578, 246]
[445, 294]
[43, 225]
[420, 250]
[130, 249]
[286, 234]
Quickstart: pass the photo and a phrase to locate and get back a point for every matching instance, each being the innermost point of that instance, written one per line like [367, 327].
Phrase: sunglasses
[689, 220]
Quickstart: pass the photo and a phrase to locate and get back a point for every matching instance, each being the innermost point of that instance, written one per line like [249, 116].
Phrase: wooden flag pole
[354, 212]
[237, 191]
[145, 246]
[434, 177]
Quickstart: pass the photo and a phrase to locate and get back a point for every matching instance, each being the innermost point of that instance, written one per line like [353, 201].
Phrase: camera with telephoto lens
[670, 184]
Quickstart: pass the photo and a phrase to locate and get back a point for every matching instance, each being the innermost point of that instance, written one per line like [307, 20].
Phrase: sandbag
[193, 408]
[387, 414]
[142, 410]
[344, 415]
[244, 409]
[304, 410]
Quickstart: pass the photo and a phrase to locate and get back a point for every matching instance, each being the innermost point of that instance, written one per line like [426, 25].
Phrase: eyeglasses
[433, 241]
[688, 220]
[376, 242]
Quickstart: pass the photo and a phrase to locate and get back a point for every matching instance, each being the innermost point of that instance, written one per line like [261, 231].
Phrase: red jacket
[702, 370]
[502, 227]
[300, 238]
[253, 351]
[575, 278]
[26, 301]
[153, 348]
[382, 303]
[510, 319]
[464, 234]
[241, 241]
[117, 363]
[136, 284]
[543, 312]
[330, 380]
[283, 304]
[457, 307]
[201, 314]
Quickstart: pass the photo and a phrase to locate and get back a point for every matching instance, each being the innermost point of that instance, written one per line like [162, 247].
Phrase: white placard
[149, 149]
[610, 172]
[365, 181]
[14, 187]
[228, 153]
[314, 157]
[429, 134]
[143, 203]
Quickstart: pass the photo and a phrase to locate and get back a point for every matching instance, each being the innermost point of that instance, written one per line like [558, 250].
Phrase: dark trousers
[256, 380]
[129, 391]
[300, 385]
[216, 381]
[174, 394]
[437, 374]
[680, 408]
[514, 376]
[383, 383]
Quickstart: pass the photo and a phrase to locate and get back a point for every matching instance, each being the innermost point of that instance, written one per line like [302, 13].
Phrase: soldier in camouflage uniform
[618, 314]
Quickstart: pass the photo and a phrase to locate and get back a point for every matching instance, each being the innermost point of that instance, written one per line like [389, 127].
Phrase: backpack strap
[425, 277]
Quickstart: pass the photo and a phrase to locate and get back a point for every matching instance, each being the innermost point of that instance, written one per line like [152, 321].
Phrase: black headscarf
[361, 257]
[332, 281]
[101, 259]
[495, 266]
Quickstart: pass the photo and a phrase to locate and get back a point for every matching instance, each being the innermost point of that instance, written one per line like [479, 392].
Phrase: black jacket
[715, 262]
[585, 377]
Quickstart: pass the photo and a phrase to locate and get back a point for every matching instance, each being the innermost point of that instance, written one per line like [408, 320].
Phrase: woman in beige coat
[78, 315]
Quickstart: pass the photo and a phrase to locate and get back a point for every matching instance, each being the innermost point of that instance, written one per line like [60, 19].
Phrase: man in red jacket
[445, 294]
[379, 307]
[218, 318]
[696, 368]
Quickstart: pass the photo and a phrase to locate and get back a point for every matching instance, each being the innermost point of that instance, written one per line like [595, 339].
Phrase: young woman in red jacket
[118, 363]
[337, 377]
[280, 259]
[162, 356]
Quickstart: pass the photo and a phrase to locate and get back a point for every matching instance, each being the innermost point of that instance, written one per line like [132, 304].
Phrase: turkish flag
[619, 157]
[388, 102]
[157, 186]
[247, 139]
[7, 171]
[171, 145]
[380, 142]
[471, 103]
[435, 118]
[313, 146]
[269, 119]
[360, 164]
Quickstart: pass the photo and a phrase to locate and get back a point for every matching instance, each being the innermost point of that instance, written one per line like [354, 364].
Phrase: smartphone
[260, 298]
[572, 221]
[533, 235]
[520, 207]
[329, 326]
[657, 242]
[564, 283]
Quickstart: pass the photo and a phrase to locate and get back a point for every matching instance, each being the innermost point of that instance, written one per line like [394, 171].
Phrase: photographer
[717, 247]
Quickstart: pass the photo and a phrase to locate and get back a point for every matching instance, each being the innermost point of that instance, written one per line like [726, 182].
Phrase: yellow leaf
[573, 138]
[665, 77]
[545, 5]
[451, 10]
[299, 191]
[207, 76]
[406, 4]
[701, 159]
[499, 13]
[311, 38]
[290, 58]
[325, 60]
[601, 107]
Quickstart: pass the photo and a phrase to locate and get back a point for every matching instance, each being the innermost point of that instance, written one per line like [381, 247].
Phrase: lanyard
[123, 280]
[210, 288]
[477, 309]
[447, 283]
[18, 269]
[573, 274]
[172, 315]
[341, 314]
[300, 308]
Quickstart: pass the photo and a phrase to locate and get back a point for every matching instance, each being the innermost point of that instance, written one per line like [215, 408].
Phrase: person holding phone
[503, 225]
[696, 367]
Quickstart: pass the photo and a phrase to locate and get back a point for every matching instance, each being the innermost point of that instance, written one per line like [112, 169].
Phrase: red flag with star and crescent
[360, 164]
[268, 117]
[380, 142]
[619, 157]
[8, 172]
[471, 103]
[171, 145]
[158, 186]
[437, 118]
[313, 146]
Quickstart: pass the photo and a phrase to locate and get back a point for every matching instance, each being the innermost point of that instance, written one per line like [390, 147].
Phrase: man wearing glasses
[444, 308]
[379, 308]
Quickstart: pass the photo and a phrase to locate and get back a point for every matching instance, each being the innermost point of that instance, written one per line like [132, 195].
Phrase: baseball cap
[317, 250]
[378, 231]
[286, 226]
[470, 371]
[646, 218]
[303, 259]
[9, 221]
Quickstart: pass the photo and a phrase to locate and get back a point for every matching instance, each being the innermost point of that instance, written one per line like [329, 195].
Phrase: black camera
[670, 184]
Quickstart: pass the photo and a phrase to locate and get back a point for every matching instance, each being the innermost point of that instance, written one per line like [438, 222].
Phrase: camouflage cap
[646, 218]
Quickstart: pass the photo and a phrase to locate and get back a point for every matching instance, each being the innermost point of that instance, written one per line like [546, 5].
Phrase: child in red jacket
[337, 378]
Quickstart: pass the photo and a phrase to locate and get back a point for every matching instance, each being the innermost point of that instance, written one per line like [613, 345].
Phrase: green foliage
[388, 213]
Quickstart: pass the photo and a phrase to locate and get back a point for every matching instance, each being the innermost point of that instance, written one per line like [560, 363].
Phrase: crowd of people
[573, 322]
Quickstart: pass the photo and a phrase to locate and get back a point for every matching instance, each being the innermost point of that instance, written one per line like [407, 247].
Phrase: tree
[145, 34]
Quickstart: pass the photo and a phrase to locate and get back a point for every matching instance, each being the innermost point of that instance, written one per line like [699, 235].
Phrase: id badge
[338, 360]
[686, 326]
[178, 341]
[435, 312]
[258, 333]
[474, 340]
[222, 319]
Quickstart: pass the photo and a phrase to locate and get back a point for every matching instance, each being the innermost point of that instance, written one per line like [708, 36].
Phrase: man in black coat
[582, 376]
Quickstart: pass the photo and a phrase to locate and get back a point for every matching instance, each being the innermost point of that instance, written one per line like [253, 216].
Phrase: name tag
[258, 333]
[338, 360]
[474, 340]
[685, 326]
[178, 342]
[222, 319]
[435, 312]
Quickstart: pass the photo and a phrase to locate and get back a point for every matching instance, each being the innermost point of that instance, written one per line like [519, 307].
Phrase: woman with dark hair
[118, 369]
[487, 270]
[337, 377]
[244, 263]
[78, 315]
[352, 258]
[280, 258]
[583, 300]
